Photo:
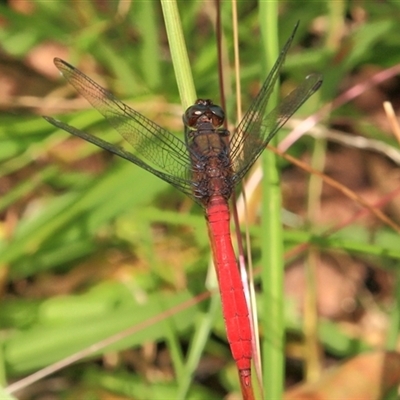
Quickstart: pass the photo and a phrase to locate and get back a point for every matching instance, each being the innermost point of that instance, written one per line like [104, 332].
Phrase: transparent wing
[181, 184]
[256, 128]
[153, 147]
[257, 132]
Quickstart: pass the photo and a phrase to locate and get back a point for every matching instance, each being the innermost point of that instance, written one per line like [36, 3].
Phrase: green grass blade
[203, 329]
[272, 234]
[151, 67]
[179, 54]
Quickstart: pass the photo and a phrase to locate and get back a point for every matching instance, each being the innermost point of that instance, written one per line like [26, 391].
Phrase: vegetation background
[91, 245]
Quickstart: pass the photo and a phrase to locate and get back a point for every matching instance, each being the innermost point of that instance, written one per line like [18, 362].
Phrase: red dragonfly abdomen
[234, 306]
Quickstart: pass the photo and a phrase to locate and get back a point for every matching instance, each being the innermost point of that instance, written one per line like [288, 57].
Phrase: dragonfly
[206, 166]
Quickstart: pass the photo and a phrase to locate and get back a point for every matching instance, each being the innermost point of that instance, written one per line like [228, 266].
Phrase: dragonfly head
[203, 111]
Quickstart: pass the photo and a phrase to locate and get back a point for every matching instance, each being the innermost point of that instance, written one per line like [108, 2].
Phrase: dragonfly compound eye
[192, 114]
[218, 116]
[202, 111]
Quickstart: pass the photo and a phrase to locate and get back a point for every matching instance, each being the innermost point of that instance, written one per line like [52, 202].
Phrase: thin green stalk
[180, 59]
[310, 324]
[272, 320]
[175, 349]
[3, 372]
[202, 334]
[148, 23]
[187, 94]
[393, 332]
[336, 19]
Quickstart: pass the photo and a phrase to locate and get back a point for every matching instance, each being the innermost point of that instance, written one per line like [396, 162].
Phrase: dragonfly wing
[181, 184]
[154, 146]
[256, 129]
[255, 114]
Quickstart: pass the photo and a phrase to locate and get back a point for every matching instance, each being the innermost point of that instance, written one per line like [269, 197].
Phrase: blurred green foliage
[68, 208]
